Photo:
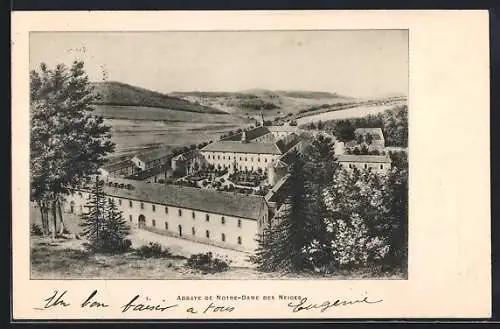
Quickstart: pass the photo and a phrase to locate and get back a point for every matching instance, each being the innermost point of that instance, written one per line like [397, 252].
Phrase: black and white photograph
[250, 165]
[219, 155]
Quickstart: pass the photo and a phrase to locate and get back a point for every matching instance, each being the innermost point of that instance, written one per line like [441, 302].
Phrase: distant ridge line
[123, 94]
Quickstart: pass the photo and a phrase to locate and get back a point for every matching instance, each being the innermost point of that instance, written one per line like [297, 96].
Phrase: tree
[68, 143]
[360, 139]
[103, 224]
[369, 139]
[359, 226]
[397, 182]
[93, 219]
[286, 244]
[196, 166]
[344, 130]
[116, 230]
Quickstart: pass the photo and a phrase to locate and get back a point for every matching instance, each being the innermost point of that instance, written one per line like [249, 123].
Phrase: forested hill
[117, 93]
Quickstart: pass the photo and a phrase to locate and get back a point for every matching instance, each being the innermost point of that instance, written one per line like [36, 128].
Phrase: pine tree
[115, 229]
[286, 244]
[272, 253]
[93, 220]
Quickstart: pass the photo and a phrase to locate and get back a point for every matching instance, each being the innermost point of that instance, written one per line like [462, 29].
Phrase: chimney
[244, 137]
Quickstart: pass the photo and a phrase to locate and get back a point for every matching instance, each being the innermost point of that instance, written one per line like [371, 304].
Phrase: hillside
[272, 103]
[142, 119]
[117, 93]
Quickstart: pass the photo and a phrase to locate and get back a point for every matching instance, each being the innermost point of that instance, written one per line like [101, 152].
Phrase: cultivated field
[282, 102]
[355, 112]
[139, 128]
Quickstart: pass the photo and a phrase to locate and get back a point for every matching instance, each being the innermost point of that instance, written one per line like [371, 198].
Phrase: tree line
[393, 122]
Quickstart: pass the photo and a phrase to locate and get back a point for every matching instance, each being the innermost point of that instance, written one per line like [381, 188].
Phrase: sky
[360, 63]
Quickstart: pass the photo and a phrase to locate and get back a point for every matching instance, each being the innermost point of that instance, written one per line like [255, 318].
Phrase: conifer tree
[103, 224]
[115, 229]
[93, 220]
[285, 245]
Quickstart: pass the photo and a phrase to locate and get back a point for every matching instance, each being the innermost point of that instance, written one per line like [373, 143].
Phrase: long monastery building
[224, 219]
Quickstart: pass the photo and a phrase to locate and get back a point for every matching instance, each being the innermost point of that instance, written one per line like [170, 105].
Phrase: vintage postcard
[216, 165]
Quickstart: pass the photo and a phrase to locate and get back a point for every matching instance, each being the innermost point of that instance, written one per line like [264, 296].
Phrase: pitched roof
[282, 128]
[224, 203]
[364, 158]
[257, 132]
[187, 155]
[271, 194]
[286, 143]
[153, 154]
[141, 175]
[239, 147]
[250, 134]
[115, 166]
[375, 132]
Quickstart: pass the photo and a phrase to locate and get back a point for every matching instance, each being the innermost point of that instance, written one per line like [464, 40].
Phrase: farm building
[150, 159]
[377, 163]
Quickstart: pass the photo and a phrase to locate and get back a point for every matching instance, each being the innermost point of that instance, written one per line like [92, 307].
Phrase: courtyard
[246, 182]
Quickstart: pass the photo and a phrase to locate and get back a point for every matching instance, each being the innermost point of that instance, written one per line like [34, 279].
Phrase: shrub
[36, 230]
[207, 263]
[152, 249]
[123, 246]
[222, 180]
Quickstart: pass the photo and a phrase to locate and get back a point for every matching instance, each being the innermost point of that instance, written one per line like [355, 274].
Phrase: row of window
[229, 158]
[193, 231]
[252, 168]
[179, 211]
[365, 166]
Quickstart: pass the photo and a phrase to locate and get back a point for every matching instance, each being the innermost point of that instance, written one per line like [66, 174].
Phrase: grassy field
[67, 259]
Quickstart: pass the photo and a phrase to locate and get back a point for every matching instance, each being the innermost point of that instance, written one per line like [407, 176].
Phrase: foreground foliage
[67, 141]
[207, 263]
[333, 219]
